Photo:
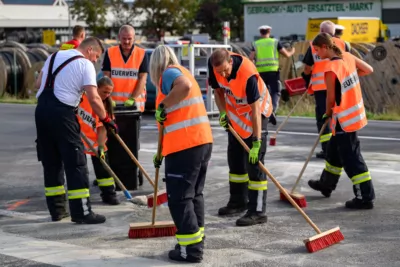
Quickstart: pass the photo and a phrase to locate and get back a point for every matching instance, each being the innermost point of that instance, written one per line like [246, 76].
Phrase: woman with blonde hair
[345, 108]
[186, 146]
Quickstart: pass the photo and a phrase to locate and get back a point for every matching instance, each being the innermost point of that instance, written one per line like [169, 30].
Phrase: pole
[15, 72]
[69, 22]
[227, 32]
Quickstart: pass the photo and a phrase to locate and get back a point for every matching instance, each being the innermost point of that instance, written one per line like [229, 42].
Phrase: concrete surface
[372, 237]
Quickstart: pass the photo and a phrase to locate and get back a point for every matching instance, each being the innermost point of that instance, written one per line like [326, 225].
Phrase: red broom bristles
[152, 232]
[301, 201]
[324, 241]
[161, 199]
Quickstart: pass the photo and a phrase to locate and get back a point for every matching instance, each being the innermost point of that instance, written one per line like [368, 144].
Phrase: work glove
[113, 103]
[130, 102]
[161, 115]
[307, 78]
[100, 152]
[254, 151]
[272, 118]
[325, 117]
[157, 161]
[110, 124]
[224, 120]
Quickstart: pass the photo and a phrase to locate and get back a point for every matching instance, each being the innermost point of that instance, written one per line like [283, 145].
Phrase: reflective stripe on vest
[237, 108]
[267, 56]
[351, 112]
[125, 75]
[187, 124]
[317, 81]
[67, 46]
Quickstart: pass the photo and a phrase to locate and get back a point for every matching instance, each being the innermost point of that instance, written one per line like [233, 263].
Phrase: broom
[162, 194]
[109, 170]
[272, 140]
[314, 243]
[299, 198]
[153, 229]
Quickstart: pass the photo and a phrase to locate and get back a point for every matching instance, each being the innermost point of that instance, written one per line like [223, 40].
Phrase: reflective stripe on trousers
[361, 178]
[78, 193]
[333, 169]
[201, 229]
[185, 123]
[258, 185]
[325, 138]
[238, 178]
[54, 191]
[190, 239]
[105, 182]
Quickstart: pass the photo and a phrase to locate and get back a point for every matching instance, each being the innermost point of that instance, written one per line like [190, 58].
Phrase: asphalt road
[372, 237]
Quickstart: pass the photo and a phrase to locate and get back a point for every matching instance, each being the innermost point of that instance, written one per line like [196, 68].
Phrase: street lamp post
[69, 19]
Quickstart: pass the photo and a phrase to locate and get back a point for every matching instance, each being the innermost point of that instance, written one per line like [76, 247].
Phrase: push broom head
[161, 198]
[148, 230]
[272, 141]
[298, 198]
[324, 240]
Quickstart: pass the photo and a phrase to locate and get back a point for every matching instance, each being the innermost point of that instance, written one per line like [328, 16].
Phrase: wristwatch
[255, 139]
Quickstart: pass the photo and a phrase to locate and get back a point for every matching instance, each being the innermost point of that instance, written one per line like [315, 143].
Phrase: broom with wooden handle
[272, 140]
[314, 243]
[108, 169]
[299, 198]
[153, 229]
[162, 194]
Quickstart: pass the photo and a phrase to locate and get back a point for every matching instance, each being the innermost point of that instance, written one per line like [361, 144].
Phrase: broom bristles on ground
[161, 199]
[324, 240]
[152, 232]
[299, 199]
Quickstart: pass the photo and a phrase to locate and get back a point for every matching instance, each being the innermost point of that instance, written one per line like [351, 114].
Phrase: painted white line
[66, 255]
[22, 215]
[148, 150]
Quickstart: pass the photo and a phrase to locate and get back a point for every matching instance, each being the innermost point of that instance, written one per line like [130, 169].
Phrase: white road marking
[22, 215]
[67, 255]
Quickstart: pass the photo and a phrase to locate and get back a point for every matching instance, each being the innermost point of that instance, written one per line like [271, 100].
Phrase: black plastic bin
[128, 121]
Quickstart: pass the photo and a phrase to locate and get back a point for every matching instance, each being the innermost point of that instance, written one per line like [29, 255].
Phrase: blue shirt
[168, 78]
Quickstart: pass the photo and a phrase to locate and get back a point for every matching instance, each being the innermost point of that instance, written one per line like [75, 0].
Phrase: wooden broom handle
[309, 156]
[133, 158]
[277, 184]
[288, 116]
[159, 150]
[105, 165]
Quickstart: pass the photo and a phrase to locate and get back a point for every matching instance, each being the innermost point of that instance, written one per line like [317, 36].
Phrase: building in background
[290, 17]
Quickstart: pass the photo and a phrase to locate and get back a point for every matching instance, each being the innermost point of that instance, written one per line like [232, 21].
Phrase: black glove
[272, 118]
[307, 78]
[110, 124]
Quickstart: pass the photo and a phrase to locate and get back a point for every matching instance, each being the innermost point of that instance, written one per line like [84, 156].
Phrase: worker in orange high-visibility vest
[244, 102]
[314, 76]
[126, 64]
[96, 134]
[345, 107]
[186, 146]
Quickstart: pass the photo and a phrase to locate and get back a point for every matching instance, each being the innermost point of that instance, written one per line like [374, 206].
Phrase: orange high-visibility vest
[351, 112]
[187, 124]
[89, 123]
[125, 75]
[317, 82]
[237, 108]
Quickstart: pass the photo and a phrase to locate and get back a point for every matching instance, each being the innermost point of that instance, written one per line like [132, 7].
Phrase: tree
[93, 12]
[232, 11]
[209, 19]
[174, 16]
[123, 13]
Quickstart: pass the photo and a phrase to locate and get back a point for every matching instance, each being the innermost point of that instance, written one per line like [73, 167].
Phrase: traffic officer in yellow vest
[265, 51]
[127, 66]
[244, 102]
[314, 77]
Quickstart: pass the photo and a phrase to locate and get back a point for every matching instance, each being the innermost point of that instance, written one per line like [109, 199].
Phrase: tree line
[160, 16]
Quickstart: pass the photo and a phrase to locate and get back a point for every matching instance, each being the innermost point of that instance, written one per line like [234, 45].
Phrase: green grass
[15, 100]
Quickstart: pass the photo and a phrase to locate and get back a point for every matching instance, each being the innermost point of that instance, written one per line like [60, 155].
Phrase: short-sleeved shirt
[143, 66]
[252, 92]
[309, 59]
[168, 78]
[280, 46]
[69, 82]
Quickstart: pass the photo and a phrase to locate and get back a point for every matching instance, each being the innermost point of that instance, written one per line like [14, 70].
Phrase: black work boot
[176, 255]
[59, 217]
[110, 199]
[91, 218]
[252, 218]
[232, 209]
[316, 185]
[359, 204]
[57, 206]
[95, 183]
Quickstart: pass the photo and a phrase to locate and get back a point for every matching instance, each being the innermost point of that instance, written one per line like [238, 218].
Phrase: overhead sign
[311, 8]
